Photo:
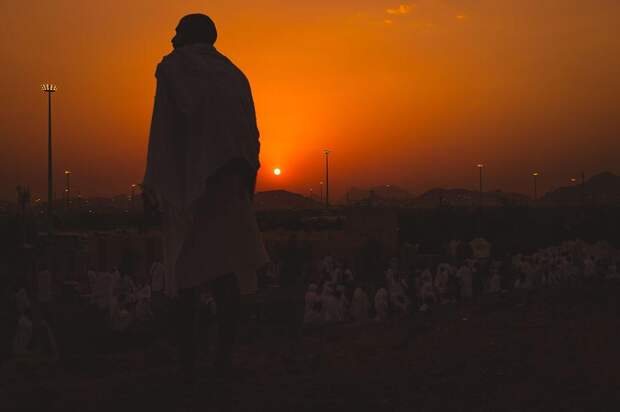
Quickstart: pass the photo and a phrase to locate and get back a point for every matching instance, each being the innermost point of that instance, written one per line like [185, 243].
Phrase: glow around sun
[277, 171]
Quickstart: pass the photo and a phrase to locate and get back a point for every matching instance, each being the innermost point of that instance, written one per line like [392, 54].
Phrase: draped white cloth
[360, 305]
[23, 335]
[143, 302]
[382, 304]
[312, 312]
[441, 279]
[203, 118]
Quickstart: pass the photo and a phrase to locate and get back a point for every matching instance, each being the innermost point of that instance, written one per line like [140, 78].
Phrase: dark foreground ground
[560, 351]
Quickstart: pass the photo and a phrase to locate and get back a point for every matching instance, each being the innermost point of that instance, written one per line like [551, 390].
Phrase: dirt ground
[556, 350]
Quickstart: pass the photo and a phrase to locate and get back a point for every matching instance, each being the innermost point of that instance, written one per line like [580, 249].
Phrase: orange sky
[412, 93]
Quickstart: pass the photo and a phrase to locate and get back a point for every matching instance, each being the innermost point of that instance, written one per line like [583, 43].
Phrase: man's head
[193, 29]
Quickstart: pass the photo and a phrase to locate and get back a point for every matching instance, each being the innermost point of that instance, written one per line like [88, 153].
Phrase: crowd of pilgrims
[122, 300]
[334, 293]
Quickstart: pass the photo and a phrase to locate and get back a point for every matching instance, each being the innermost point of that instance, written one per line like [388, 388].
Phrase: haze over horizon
[410, 93]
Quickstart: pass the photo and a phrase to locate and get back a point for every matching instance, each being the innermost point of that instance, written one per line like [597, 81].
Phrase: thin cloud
[400, 10]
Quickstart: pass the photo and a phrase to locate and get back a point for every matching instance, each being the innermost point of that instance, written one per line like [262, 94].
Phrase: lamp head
[49, 88]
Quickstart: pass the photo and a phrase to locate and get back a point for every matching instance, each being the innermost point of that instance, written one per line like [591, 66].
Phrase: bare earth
[557, 352]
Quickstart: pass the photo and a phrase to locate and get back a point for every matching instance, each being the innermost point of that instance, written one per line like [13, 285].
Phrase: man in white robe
[158, 277]
[349, 277]
[336, 275]
[201, 172]
[159, 285]
[23, 335]
[331, 308]
[398, 297]
[343, 302]
[495, 284]
[313, 304]
[382, 304]
[143, 302]
[359, 305]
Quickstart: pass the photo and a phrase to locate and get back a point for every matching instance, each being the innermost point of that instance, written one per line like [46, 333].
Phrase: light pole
[535, 174]
[321, 183]
[480, 167]
[583, 188]
[133, 196]
[68, 188]
[327, 152]
[49, 89]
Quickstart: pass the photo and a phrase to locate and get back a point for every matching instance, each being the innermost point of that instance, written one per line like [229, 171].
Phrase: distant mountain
[283, 200]
[388, 193]
[464, 197]
[603, 188]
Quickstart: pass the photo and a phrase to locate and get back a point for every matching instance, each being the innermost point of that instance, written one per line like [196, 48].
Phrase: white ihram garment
[381, 304]
[203, 119]
[313, 301]
[158, 274]
[23, 335]
[359, 305]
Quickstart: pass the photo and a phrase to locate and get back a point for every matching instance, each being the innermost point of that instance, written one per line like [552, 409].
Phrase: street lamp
[321, 183]
[49, 89]
[535, 174]
[583, 186]
[133, 196]
[68, 187]
[327, 152]
[480, 167]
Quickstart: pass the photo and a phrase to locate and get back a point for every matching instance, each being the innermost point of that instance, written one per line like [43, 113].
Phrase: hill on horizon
[466, 197]
[601, 188]
[383, 192]
[283, 200]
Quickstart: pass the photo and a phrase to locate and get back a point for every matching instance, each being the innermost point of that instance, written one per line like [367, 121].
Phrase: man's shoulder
[167, 62]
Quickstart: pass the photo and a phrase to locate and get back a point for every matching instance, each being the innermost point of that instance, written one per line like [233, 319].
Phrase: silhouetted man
[201, 171]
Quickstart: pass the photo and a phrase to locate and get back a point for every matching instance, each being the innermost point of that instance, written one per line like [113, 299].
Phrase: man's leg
[186, 332]
[228, 301]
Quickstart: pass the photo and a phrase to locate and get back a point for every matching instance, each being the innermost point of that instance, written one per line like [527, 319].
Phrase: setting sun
[277, 171]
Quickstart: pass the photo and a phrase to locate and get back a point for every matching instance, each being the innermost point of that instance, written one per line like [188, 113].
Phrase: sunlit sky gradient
[409, 93]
